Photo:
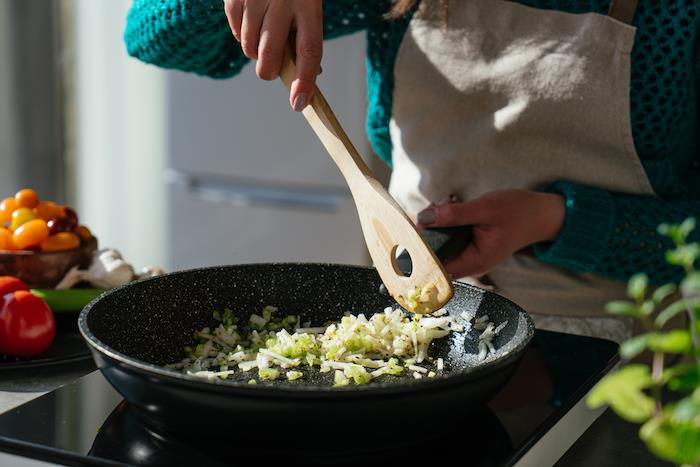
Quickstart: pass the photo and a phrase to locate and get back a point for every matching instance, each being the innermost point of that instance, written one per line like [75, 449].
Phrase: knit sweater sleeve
[194, 36]
[614, 234]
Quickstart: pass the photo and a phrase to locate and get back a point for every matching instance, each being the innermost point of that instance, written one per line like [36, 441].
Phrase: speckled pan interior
[149, 322]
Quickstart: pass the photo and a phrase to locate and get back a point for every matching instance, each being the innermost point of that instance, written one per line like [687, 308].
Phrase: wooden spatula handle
[325, 124]
[384, 224]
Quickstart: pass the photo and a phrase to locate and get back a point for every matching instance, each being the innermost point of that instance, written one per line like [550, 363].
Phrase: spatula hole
[401, 261]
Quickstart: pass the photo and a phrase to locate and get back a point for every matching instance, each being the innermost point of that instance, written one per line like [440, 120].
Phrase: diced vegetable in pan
[356, 348]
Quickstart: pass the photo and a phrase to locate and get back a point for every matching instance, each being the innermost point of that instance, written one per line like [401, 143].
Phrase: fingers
[263, 28]
[471, 263]
[274, 34]
[253, 14]
[234, 14]
[455, 214]
[309, 50]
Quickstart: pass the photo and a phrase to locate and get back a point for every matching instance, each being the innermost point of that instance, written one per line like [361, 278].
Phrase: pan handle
[446, 242]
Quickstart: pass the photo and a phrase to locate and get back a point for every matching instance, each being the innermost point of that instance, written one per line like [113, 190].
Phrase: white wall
[120, 136]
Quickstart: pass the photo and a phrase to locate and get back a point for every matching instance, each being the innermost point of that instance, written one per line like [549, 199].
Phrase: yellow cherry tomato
[60, 242]
[20, 217]
[6, 242]
[30, 234]
[47, 210]
[7, 207]
[27, 198]
[83, 232]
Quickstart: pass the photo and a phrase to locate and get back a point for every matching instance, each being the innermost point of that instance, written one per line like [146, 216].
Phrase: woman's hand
[503, 222]
[263, 27]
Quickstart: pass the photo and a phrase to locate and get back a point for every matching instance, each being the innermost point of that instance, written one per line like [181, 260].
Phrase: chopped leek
[358, 348]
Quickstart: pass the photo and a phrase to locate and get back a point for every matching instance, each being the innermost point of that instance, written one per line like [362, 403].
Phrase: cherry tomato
[60, 242]
[21, 216]
[60, 224]
[27, 325]
[6, 242]
[71, 214]
[47, 210]
[83, 232]
[27, 198]
[7, 207]
[31, 233]
[9, 284]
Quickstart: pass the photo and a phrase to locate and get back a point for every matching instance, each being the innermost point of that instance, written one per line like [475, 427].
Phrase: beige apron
[509, 96]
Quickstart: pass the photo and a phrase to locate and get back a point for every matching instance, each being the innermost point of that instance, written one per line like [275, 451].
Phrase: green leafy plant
[670, 430]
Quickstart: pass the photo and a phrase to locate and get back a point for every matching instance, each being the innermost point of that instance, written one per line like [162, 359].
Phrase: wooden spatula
[384, 224]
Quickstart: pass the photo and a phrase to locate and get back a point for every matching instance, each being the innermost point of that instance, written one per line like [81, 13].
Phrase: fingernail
[449, 199]
[426, 216]
[299, 102]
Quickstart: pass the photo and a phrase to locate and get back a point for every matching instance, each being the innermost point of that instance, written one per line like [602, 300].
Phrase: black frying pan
[135, 329]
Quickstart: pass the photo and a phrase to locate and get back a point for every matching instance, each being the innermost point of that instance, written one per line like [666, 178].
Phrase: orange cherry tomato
[7, 207]
[6, 242]
[20, 217]
[60, 242]
[31, 233]
[47, 210]
[27, 198]
[83, 232]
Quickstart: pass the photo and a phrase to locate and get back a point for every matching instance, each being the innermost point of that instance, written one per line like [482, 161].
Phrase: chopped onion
[359, 349]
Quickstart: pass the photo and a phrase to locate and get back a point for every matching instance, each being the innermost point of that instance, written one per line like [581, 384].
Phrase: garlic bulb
[107, 270]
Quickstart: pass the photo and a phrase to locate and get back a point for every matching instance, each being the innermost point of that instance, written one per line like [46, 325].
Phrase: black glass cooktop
[87, 423]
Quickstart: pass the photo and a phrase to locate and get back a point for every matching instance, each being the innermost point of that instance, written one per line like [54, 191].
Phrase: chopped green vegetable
[340, 379]
[360, 349]
[269, 374]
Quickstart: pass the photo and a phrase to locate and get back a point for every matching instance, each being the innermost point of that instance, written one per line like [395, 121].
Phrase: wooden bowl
[45, 270]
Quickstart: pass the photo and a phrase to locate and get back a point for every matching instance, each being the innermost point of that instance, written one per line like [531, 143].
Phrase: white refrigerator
[247, 179]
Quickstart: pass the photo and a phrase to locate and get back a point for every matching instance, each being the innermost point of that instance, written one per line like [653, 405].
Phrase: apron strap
[623, 10]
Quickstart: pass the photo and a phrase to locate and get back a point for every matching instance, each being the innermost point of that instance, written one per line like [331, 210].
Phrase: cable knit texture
[611, 234]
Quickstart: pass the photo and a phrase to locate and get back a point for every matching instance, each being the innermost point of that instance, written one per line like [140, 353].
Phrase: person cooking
[563, 131]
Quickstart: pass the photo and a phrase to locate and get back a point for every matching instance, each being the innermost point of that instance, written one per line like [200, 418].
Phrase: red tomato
[27, 325]
[9, 284]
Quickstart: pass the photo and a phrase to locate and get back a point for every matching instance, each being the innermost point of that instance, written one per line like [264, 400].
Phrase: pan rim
[245, 389]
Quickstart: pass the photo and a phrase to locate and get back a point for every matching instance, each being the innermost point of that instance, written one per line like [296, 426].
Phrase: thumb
[453, 214]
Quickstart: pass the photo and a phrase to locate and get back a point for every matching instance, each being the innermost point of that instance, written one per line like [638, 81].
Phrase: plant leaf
[647, 308]
[637, 286]
[672, 440]
[684, 377]
[686, 227]
[683, 255]
[669, 312]
[634, 346]
[622, 390]
[663, 292]
[691, 284]
[675, 341]
[686, 410]
[622, 308]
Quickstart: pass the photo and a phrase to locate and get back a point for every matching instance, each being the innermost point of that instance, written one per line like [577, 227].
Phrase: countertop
[609, 442]
[20, 386]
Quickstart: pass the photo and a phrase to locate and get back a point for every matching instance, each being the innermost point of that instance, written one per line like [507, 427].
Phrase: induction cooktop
[533, 420]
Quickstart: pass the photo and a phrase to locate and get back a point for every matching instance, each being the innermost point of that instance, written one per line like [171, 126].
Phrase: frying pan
[135, 329]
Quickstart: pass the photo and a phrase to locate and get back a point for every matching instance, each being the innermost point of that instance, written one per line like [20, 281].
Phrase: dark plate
[65, 349]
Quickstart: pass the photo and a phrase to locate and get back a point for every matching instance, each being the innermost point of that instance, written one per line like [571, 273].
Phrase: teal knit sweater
[607, 233]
